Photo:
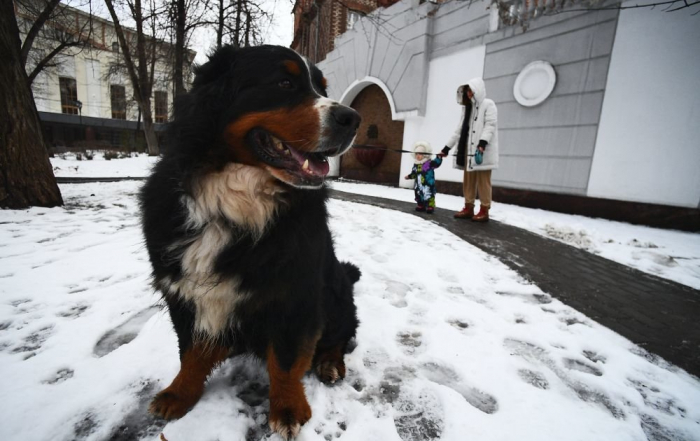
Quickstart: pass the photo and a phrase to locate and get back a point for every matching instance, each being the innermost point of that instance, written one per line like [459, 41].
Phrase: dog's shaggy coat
[235, 221]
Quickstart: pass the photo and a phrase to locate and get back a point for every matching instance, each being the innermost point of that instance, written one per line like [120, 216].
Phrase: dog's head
[269, 109]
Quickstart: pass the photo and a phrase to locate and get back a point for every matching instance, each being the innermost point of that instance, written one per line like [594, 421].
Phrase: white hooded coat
[483, 125]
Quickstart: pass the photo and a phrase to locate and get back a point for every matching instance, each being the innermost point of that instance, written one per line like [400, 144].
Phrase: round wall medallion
[534, 83]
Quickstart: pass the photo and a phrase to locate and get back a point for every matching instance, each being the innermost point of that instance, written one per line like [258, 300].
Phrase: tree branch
[36, 27]
[45, 61]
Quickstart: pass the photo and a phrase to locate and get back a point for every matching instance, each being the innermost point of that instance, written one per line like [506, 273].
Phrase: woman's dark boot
[466, 213]
[483, 215]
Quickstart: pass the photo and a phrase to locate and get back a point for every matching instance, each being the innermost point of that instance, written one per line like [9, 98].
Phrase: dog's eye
[285, 84]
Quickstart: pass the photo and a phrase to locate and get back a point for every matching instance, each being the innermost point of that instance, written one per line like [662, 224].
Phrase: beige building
[85, 99]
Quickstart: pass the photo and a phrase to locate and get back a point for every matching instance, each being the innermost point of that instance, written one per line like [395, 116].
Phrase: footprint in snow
[535, 299]
[654, 431]
[34, 341]
[418, 414]
[446, 376]
[459, 324]
[60, 376]
[656, 399]
[73, 312]
[455, 290]
[410, 341]
[333, 426]
[594, 356]
[534, 378]
[580, 366]
[539, 356]
[123, 333]
[396, 293]
[419, 418]
[136, 425]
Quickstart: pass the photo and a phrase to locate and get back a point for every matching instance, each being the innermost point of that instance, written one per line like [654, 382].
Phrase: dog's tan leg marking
[329, 364]
[187, 387]
[289, 409]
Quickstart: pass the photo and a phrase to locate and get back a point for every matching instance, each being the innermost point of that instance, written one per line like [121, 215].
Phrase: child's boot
[466, 213]
[430, 210]
[482, 216]
[419, 207]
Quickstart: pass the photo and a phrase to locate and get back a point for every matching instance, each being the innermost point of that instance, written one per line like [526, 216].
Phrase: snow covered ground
[442, 352]
[674, 255]
[68, 166]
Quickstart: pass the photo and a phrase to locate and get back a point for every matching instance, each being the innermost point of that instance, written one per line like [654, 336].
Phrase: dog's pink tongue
[320, 168]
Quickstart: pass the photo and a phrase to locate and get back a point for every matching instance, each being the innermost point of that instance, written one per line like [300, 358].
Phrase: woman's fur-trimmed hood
[478, 88]
[422, 147]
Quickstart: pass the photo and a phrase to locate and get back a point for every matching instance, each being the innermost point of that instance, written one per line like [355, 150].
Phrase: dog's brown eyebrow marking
[324, 82]
[292, 67]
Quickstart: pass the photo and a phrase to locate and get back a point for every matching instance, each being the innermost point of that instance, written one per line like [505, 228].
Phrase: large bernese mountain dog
[235, 221]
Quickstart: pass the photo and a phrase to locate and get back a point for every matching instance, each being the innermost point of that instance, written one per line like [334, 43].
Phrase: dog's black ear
[319, 80]
[220, 62]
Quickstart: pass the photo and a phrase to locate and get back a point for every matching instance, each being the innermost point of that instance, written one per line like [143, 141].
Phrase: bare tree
[239, 22]
[49, 27]
[26, 176]
[139, 59]
[185, 16]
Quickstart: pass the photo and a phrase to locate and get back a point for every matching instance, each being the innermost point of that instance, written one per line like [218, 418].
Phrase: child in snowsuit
[424, 174]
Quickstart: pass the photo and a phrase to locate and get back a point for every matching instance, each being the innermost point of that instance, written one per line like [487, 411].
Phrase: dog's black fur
[296, 291]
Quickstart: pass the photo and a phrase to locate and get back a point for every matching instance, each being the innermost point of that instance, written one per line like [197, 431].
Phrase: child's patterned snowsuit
[424, 186]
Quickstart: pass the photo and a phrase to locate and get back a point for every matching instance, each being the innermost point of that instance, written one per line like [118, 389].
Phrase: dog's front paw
[330, 371]
[287, 420]
[170, 405]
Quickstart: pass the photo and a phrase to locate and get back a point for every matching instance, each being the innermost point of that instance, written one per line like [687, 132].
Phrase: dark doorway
[359, 164]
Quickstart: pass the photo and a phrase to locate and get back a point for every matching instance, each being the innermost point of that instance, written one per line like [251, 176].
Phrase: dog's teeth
[306, 165]
[279, 146]
[287, 152]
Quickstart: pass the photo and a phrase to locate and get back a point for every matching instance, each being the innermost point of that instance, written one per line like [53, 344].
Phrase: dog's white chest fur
[242, 195]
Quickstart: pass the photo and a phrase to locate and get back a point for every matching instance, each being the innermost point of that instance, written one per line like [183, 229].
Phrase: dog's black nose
[346, 117]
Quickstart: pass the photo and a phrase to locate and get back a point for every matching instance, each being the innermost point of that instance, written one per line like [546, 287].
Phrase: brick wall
[328, 19]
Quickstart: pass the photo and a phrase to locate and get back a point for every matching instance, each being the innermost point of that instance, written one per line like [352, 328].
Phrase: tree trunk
[247, 26]
[26, 176]
[178, 75]
[237, 29]
[141, 81]
[220, 25]
[149, 129]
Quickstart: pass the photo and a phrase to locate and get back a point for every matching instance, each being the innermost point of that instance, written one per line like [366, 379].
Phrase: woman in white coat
[476, 138]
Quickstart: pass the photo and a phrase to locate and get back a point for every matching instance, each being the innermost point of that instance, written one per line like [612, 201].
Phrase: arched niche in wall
[380, 126]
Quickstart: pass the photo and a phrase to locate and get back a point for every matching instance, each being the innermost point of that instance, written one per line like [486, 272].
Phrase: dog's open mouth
[309, 167]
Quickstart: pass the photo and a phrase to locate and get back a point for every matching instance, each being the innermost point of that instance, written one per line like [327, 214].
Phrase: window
[115, 46]
[353, 17]
[69, 95]
[117, 95]
[161, 106]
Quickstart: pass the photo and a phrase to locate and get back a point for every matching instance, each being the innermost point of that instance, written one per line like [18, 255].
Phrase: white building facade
[598, 110]
[85, 98]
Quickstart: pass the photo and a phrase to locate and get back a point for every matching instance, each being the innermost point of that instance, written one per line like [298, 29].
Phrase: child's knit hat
[421, 147]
